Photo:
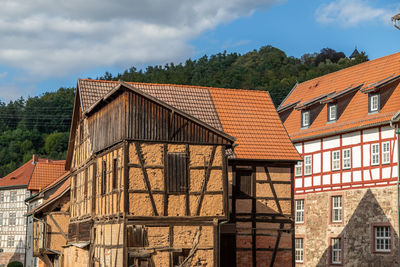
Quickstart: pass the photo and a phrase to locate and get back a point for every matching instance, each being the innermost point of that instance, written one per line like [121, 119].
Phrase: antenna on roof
[396, 21]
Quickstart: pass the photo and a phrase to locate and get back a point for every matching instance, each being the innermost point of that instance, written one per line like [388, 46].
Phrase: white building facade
[12, 224]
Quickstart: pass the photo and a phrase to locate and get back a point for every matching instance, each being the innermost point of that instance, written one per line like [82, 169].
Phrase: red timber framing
[364, 180]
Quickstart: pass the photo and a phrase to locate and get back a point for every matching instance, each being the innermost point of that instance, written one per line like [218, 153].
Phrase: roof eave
[331, 133]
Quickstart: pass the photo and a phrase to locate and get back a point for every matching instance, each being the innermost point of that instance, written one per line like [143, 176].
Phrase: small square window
[346, 158]
[307, 165]
[305, 118]
[375, 154]
[382, 239]
[332, 112]
[385, 152]
[374, 104]
[336, 160]
[298, 169]
[300, 210]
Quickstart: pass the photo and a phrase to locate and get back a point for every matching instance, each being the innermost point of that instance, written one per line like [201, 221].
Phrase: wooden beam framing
[58, 227]
[206, 178]
[278, 205]
[145, 177]
[278, 239]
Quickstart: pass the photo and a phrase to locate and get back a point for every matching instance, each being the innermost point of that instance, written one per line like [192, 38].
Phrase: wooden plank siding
[133, 117]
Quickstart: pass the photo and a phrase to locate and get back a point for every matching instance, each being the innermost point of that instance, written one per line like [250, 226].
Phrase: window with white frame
[1, 197]
[307, 165]
[13, 196]
[332, 112]
[299, 242]
[1, 219]
[300, 210]
[298, 169]
[336, 160]
[10, 241]
[346, 158]
[373, 102]
[305, 118]
[12, 218]
[382, 239]
[375, 154]
[336, 251]
[385, 152]
[337, 209]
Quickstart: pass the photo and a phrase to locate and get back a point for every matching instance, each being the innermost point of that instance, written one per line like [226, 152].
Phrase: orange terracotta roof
[62, 189]
[247, 115]
[355, 113]
[250, 117]
[45, 172]
[19, 177]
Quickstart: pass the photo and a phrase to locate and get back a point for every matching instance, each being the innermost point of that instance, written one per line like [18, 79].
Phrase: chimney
[34, 158]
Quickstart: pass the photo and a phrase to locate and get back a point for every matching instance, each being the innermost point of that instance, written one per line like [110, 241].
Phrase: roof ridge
[176, 85]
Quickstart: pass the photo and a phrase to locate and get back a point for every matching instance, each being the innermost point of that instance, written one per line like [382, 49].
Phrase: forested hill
[265, 69]
[41, 124]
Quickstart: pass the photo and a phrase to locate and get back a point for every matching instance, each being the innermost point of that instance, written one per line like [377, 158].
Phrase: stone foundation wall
[362, 210]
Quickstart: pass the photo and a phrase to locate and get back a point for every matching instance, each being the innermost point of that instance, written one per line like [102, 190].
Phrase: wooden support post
[205, 182]
[276, 245]
[146, 178]
[278, 205]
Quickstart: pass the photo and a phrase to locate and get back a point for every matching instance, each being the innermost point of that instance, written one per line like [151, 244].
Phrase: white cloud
[54, 38]
[348, 13]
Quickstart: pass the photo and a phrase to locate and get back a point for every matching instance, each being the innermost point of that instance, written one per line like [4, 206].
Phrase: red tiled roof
[62, 189]
[45, 172]
[248, 115]
[356, 113]
[19, 177]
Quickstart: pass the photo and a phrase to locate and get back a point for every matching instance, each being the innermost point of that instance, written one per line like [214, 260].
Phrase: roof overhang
[287, 107]
[376, 86]
[333, 97]
[315, 100]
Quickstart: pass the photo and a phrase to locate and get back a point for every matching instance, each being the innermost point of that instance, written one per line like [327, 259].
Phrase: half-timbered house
[344, 125]
[169, 175]
[14, 189]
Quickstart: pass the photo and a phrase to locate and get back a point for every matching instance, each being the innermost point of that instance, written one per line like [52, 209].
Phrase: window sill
[373, 112]
[304, 127]
[332, 121]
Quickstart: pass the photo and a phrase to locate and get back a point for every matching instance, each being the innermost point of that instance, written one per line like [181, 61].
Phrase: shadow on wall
[358, 236]
[17, 259]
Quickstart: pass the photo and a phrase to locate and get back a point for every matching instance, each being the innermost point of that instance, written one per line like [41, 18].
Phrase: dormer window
[374, 102]
[332, 112]
[305, 118]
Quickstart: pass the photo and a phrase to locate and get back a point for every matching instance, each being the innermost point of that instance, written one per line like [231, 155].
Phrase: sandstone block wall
[362, 210]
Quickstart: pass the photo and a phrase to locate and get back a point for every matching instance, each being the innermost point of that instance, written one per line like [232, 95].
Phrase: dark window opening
[103, 178]
[243, 184]
[137, 236]
[177, 173]
[179, 257]
[115, 173]
[86, 183]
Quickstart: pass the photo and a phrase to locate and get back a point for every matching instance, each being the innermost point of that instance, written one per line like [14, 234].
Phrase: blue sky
[49, 45]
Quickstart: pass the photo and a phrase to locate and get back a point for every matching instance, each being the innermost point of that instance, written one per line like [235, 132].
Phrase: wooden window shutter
[243, 183]
[137, 236]
[177, 173]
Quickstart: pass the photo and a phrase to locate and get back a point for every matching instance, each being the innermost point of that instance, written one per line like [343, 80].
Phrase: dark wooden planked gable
[132, 116]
